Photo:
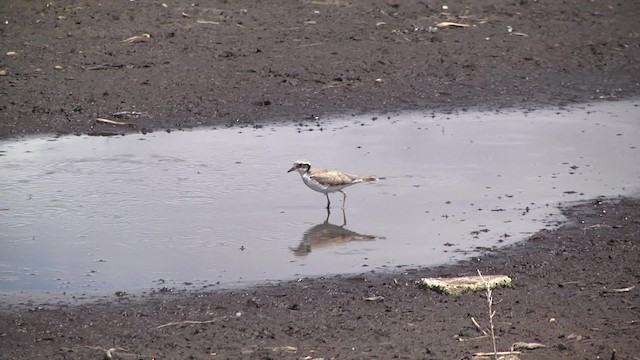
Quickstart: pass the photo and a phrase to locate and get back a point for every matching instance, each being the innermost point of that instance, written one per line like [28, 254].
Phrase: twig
[104, 67]
[596, 226]
[207, 22]
[114, 122]
[473, 338]
[491, 315]
[622, 290]
[190, 322]
[475, 323]
[497, 353]
[447, 24]
[138, 38]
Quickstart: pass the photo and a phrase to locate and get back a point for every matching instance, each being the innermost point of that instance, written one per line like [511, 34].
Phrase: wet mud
[144, 66]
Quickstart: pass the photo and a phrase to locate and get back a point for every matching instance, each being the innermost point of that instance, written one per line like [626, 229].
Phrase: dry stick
[113, 122]
[496, 353]
[473, 338]
[491, 315]
[475, 323]
[191, 322]
[623, 290]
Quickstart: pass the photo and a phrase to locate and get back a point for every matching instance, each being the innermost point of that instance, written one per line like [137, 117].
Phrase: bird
[327, 181]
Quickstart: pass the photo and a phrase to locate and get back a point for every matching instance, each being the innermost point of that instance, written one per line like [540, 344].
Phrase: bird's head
[300, 166]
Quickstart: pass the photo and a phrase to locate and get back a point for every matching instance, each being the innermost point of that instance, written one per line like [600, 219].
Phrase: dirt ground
[64, 64]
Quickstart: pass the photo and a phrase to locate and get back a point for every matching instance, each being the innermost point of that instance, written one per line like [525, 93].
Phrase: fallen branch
[459, 285]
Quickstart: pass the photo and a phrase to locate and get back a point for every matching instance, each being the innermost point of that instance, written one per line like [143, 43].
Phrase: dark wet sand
[245, 63]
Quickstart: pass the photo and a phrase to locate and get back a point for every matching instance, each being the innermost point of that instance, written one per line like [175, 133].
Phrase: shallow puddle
[217, 208]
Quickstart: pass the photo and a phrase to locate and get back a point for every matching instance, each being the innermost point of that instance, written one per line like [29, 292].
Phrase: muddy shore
[64, 64]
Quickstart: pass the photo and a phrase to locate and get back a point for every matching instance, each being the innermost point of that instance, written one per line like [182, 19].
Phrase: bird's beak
[290, 170]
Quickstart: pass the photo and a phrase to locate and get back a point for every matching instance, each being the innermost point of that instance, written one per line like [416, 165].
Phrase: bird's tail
[370, 178]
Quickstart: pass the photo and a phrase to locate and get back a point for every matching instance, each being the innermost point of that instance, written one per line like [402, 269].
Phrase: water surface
[217, 208]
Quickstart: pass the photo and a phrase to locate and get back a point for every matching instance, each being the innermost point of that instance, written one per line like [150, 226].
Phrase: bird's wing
[334, 178]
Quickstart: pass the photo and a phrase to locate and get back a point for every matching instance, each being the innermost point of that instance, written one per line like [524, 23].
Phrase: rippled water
[217, 206]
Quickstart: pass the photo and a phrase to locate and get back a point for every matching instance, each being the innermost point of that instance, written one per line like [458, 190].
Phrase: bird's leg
[326, 221]
[344, 198]
[328, 201]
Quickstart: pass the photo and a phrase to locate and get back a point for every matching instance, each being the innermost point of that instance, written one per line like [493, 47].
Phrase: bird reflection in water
[327, 234]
